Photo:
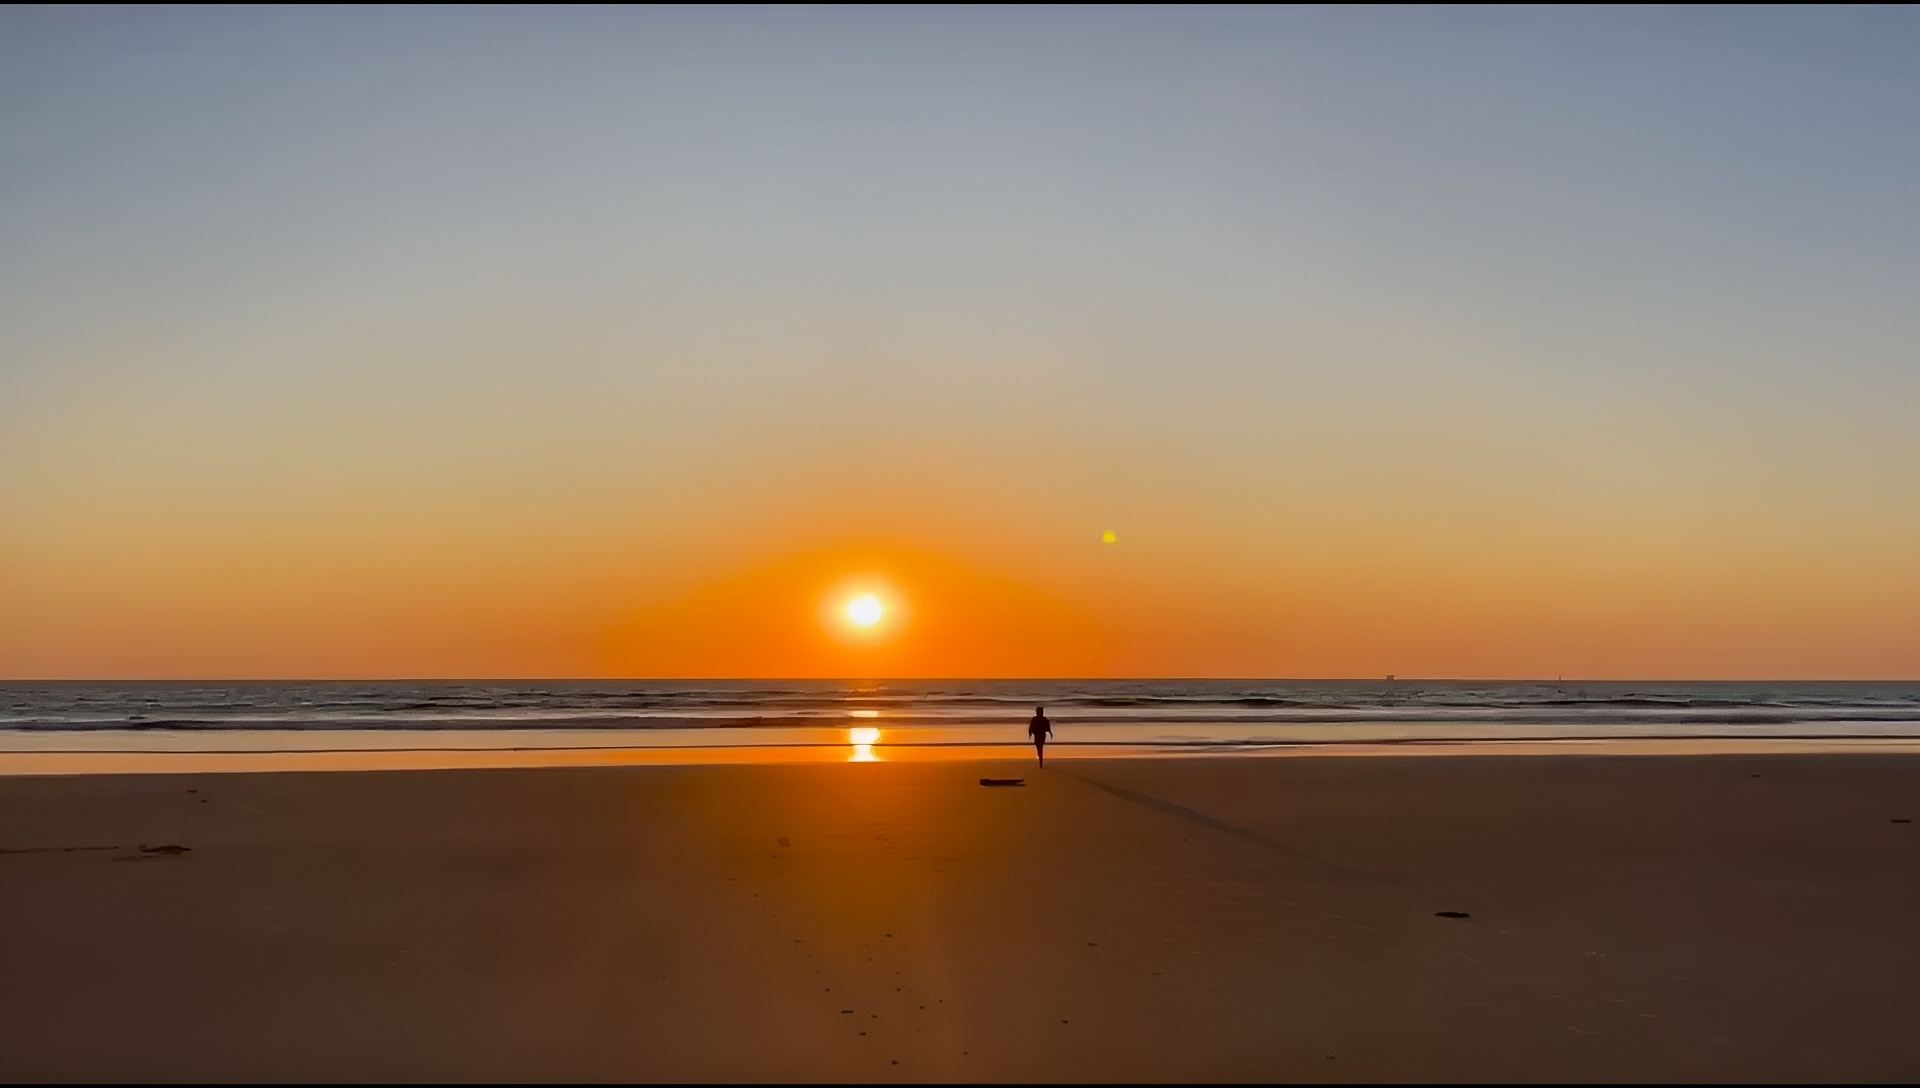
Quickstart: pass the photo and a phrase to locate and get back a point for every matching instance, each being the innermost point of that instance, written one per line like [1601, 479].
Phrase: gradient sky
[439, 342]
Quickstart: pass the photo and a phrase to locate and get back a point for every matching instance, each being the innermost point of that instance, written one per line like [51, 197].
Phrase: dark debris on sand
[164, 850]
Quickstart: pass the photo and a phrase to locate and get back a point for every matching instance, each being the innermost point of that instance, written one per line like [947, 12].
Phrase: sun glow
[865, 610]
[863, 738]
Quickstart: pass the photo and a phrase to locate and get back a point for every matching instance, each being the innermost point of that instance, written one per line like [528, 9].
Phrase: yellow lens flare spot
[865, 610]
[1109, 537]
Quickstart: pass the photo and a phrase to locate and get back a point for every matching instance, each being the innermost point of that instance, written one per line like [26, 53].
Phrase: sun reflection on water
[863, 738]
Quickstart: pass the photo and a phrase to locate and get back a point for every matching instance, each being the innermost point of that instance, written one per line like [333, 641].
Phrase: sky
[440, 342]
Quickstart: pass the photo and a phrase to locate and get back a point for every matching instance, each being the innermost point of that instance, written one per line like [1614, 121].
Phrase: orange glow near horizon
[802, 615]
[1209, 607]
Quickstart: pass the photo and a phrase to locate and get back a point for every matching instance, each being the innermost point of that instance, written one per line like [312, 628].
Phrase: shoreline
[126, 761]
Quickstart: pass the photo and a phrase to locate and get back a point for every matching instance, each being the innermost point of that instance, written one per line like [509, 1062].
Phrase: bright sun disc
[864, 611]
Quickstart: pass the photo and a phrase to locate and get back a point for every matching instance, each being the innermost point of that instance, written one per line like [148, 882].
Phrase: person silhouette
[1040, 729]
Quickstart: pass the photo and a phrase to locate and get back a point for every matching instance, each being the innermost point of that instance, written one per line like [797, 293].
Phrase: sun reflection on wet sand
[863, 738]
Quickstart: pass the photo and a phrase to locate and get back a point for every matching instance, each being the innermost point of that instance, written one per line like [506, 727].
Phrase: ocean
[1199, 714]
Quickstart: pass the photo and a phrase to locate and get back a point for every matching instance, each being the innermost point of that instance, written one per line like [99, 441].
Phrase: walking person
[1040, 729]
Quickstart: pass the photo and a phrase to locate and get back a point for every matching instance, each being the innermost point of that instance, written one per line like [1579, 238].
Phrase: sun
[865, 610]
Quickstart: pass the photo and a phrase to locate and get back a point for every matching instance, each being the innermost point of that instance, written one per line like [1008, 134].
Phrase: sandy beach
[1642, 918]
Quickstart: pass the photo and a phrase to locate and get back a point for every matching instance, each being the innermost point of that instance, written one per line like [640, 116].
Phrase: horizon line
[1378, 678]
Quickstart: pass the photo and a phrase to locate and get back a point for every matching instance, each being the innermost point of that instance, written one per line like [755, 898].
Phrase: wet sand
[1694, 918]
